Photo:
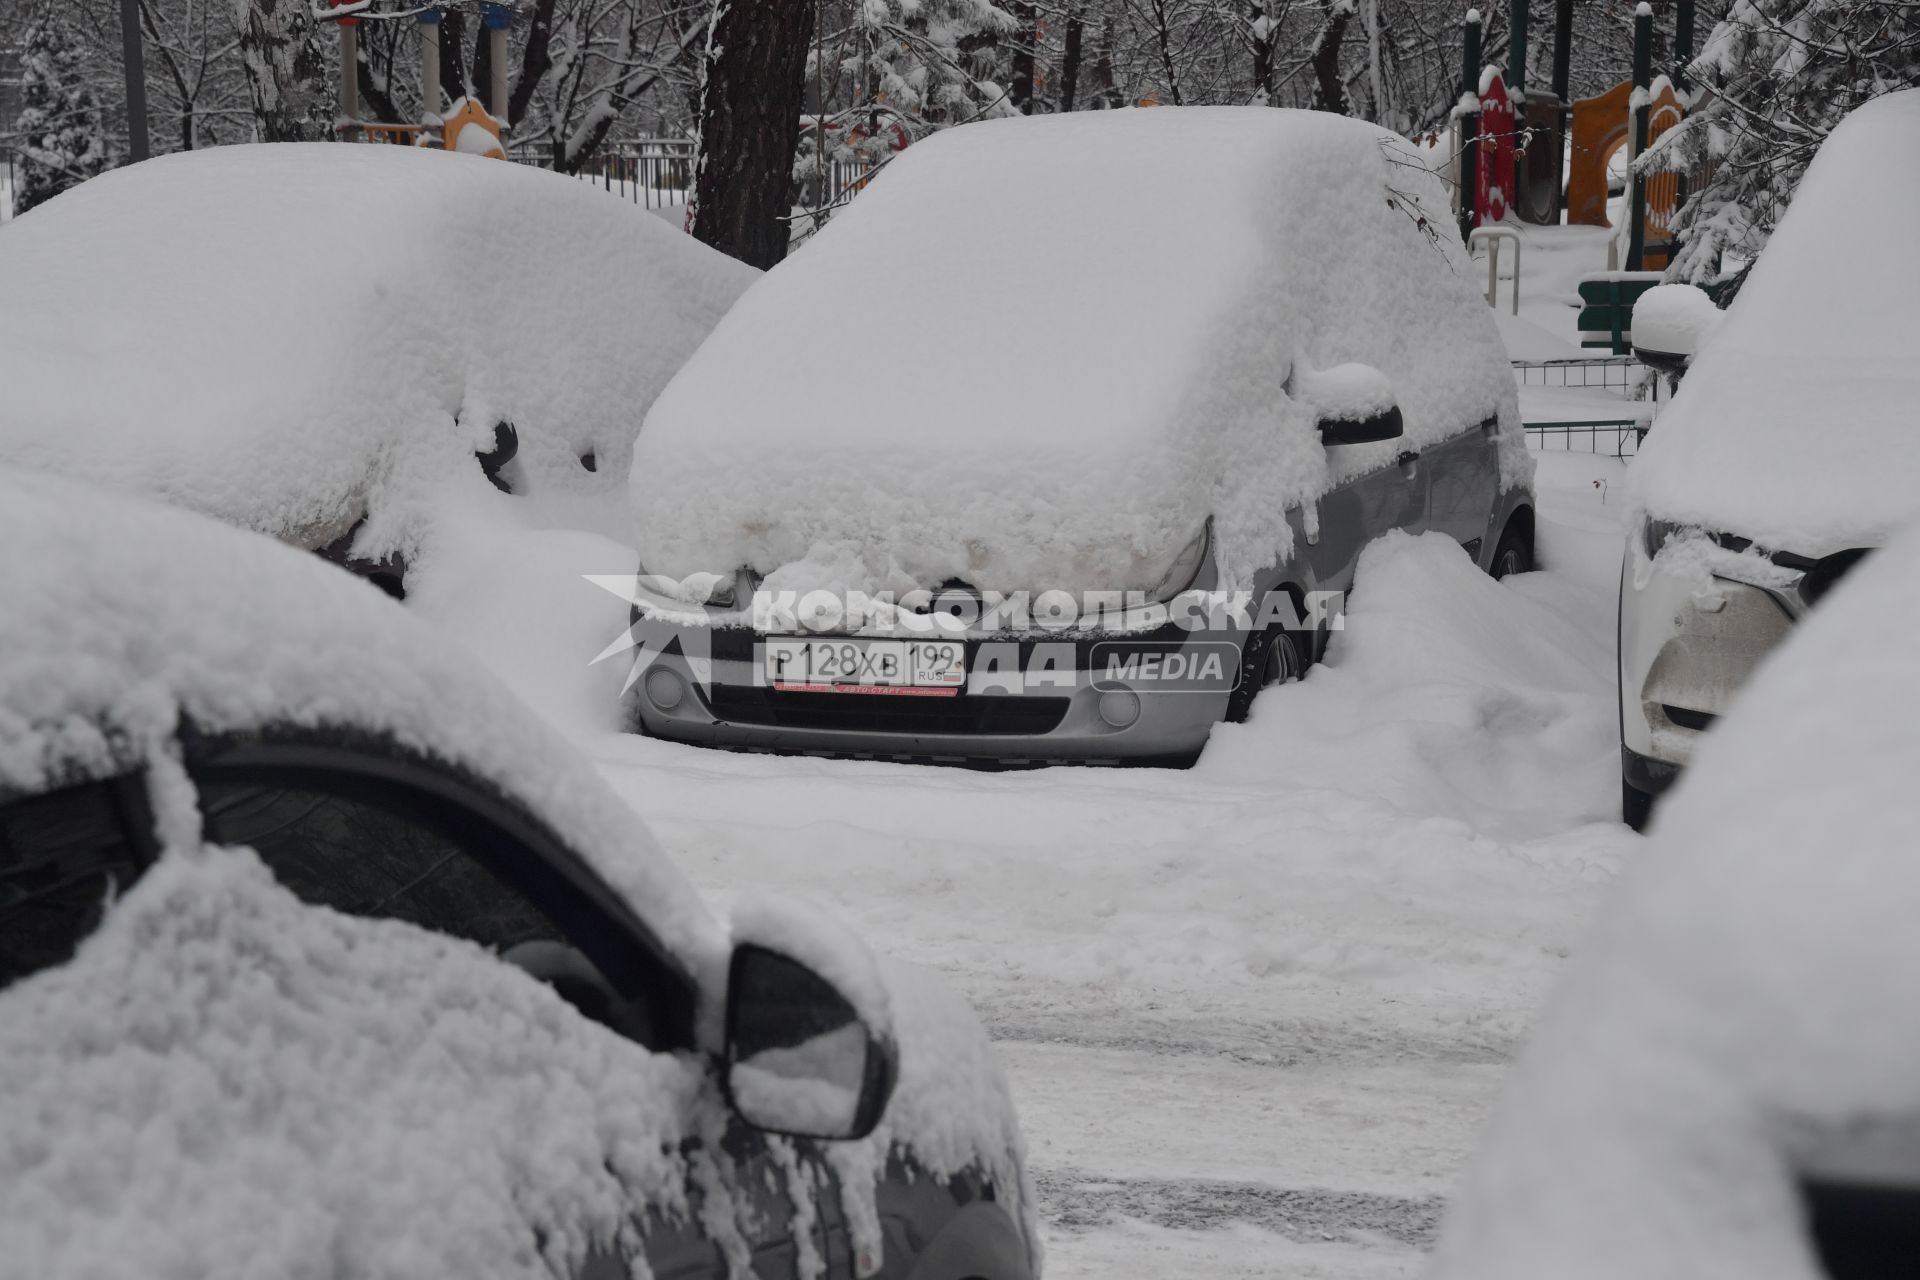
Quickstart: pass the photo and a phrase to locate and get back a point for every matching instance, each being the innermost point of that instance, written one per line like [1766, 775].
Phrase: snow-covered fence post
[1468, 112]
[349, 74]
[1642, 78]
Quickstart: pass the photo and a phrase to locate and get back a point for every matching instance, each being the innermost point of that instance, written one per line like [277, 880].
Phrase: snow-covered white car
[1786, 456]
[1726, 1082]
[320, 955]
[315, 341]
[1064, 439]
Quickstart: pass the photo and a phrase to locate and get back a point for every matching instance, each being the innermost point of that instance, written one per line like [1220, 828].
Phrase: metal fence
[1600, 431]
[1606, 373]
[657, 173]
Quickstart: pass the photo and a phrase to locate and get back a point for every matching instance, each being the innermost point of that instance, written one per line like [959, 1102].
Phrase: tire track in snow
[1074, 1202]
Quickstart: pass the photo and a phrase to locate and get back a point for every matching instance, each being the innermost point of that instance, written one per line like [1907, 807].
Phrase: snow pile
[1675, 318]
[227, 1083]
[1728, 1025]
[1011, 363]
[284, 336]
[1794, 427]
[1421, 692]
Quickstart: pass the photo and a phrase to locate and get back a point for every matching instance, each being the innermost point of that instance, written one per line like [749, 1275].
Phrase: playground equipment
[1511, 144]
[467, 124]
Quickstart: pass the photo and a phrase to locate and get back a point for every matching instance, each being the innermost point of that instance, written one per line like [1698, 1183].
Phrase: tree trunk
[752, 91]
[453, 55]
[535, 61]
[1329, 90]
[1070, 57]
[1264, 31]
[271, 49]
[1020, 90]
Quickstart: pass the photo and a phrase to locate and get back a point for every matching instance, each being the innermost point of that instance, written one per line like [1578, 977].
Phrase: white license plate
[929, 668]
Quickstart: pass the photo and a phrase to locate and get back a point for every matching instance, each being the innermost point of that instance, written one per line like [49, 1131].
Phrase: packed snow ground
[1254, 1012]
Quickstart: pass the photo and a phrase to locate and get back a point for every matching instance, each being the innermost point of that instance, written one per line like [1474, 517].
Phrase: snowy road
[1253, 1012]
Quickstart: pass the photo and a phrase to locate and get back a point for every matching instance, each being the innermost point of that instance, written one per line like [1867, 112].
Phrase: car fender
[980, 1242]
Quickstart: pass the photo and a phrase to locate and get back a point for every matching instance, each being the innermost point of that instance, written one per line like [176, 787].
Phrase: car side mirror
[1365, 429]
[800, 1060]
[1354, 403]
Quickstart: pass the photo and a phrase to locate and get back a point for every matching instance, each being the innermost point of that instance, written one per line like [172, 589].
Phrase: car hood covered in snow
[226, 1082]
[1039, 353]
[285, 336]
[1737, 1019]
[1794, 427]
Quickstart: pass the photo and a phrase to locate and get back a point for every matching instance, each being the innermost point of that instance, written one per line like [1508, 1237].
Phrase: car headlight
[1186, 566]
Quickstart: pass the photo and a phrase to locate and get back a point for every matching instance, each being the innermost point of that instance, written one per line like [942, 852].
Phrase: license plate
[927, 668]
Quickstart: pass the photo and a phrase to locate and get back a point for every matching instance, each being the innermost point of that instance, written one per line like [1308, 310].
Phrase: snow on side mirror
[1355, 403]
[809, 1049]
[1670, 324]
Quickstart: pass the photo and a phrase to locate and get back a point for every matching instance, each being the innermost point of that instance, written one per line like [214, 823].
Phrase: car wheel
[1272, 657]
[1513, 555]
[1636, 806]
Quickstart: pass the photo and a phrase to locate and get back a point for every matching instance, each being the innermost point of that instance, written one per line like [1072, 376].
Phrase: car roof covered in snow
[125, 619]
[282, 336]
[1039, 352]
[1794, 425]
[1739, 1016]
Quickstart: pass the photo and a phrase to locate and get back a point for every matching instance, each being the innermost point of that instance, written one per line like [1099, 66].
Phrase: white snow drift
[284, 336]
[1041, 352]
[1794, 428]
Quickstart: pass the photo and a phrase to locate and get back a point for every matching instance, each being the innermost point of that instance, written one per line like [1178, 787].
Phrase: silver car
[1164, 519]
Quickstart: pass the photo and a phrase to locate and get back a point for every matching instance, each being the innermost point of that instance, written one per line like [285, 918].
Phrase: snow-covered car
[1026, 459]
[1724, 1083]
[320, 955]
[1786, 456]
[315, 341]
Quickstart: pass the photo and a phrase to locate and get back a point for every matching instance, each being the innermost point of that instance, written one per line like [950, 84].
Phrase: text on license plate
[925, 667]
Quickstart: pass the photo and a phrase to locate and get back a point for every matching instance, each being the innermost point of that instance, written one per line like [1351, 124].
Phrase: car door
[377, 833]
[1355, 512]
[1463, 481]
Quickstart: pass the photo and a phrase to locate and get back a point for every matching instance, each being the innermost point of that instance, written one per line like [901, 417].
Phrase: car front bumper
[1066, 716]
[1689, 642]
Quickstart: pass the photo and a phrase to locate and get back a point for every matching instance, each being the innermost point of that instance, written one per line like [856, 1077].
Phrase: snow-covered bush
[63, 135]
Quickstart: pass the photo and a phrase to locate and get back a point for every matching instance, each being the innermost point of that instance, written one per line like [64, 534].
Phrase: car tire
[1513, 555]
[1272, 657]
[1636, 806]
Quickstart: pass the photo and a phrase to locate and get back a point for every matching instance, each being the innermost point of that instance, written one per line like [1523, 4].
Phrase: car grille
[887, 713]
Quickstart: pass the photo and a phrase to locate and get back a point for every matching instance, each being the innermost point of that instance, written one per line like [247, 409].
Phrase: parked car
[316, 342]
[1784, 459]
[971, 476]
[1723, 1084]
[319, 954]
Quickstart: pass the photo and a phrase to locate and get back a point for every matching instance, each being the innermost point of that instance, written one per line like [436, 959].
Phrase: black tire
[1272, 657]
[1513, 555]
[1636, 806]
